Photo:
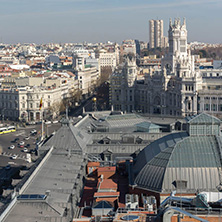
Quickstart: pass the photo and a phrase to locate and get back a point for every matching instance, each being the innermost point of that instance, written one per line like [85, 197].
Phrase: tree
[54, 110]
[105, 74]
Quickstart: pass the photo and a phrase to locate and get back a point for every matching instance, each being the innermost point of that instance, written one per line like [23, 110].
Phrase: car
[21, 146]
[12, 147]
[16, 139]
[8, 167]
[27, 145]
[22, 143]
[14, 157]
[55, 121]
[31, 123]
[48, 122]
[27, 138]
[25, 150]
[33, 131]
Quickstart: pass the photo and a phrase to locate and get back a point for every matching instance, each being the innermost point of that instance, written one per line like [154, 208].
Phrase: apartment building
[156, 37]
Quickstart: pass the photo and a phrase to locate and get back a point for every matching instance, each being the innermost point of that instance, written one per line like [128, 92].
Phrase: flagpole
[41, 109]
[42, 125]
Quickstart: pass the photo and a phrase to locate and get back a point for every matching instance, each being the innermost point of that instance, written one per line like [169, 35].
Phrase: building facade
[22, 102]
[177, 88]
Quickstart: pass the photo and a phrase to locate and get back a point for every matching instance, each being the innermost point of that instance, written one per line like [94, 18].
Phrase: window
[30, 105]
[214, 108]
[180, 184]
[182, 42]
[189, 106]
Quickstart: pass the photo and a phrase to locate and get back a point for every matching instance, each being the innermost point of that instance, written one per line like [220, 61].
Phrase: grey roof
[60, 175]
[202, 118]
[33, 212]
[115, 148]
[195, 159]
[71, 138]
[149, 152]
[122, 121]
[118, 136]
[119, 123]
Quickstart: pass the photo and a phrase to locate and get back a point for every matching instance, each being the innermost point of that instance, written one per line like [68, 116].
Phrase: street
[6, 140]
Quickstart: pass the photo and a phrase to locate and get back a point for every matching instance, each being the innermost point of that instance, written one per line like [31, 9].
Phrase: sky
[60, 21]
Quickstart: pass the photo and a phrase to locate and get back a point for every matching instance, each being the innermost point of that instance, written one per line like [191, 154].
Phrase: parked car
[8, 167]
[27, 138]
[12, 147]
[27, 145]
[14, 157]
[22, 143]
[25, 150]
[21, 146]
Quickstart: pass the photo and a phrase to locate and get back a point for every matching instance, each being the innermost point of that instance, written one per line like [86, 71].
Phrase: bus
[7, 129]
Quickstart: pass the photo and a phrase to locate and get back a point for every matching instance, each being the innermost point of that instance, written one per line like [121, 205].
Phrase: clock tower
[177, 35]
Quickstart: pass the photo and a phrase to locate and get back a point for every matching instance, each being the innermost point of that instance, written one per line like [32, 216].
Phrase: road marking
[21, 133]
[19, 156]
[11, 162]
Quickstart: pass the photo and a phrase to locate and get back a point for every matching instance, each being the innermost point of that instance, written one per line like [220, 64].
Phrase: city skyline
[99, 21]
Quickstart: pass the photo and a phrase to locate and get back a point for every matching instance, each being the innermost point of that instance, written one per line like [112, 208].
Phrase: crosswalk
[20, 133]
[19, 156]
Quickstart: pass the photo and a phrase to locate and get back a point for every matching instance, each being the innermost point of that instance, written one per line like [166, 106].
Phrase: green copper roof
[196, 151]
[195, 159]
[202, 118]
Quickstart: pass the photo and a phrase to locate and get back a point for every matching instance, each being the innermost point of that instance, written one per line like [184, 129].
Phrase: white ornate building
[177, 88]
[22, 102]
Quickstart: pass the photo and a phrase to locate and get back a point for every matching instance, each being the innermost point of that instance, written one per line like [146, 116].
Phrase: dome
[180, 161]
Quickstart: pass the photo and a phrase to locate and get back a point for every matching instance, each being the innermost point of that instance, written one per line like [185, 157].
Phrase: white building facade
[176, 89]
[23, 103]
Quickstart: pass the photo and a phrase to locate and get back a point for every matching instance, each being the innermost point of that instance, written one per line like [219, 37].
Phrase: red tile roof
[108, 184]
[106, 194]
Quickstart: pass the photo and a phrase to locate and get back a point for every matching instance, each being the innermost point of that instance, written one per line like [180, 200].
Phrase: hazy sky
[43, 21]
